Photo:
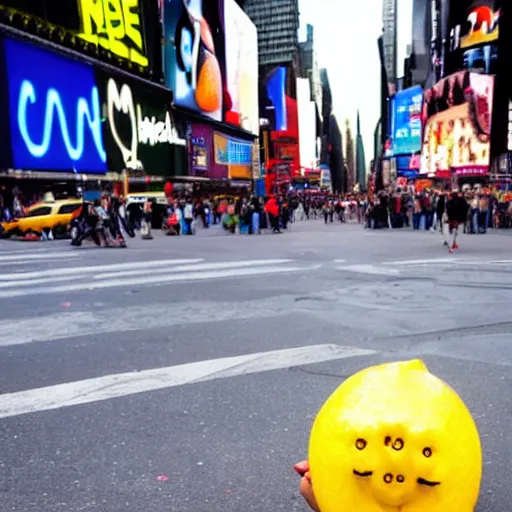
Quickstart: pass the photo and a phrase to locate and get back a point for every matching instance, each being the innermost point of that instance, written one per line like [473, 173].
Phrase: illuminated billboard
[474, 22]
[139, 128]
[241, 67]
[82, 119]
[116, 26]
[55, 118]
[307, 124]
[194, 55]
[406, 121]
[457, 115]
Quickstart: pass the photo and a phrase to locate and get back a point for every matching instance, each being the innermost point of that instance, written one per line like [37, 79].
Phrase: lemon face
[395, 438]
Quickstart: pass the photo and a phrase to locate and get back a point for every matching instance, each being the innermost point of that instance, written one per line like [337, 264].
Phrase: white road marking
[125, 384]
[77, 271]
[195, 268]
[433, 261]
[36, 257]
[150, 280]
[370, 269]
[339, 261]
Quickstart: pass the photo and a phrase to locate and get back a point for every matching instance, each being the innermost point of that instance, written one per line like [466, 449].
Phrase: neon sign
[116, 26]
[55, 117]
[84, 116]
[145, 131]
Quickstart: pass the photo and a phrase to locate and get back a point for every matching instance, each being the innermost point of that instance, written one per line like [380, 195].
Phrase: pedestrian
[188, 216]
[456, 213]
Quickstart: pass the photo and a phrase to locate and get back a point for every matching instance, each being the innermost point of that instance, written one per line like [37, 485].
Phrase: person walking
[456, 213]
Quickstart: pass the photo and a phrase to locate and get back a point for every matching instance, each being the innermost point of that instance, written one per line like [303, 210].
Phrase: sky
[346, 44]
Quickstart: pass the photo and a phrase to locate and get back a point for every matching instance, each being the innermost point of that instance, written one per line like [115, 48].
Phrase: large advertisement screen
[273, 100]
[116, 26]
[474, 22]
[406, 121]
[194, 55]
[241, 67]
[139, 129]
[55, 117]
[81, 119]
[457, 115]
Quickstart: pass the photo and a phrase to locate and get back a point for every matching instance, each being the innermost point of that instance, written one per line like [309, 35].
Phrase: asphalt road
[128, 380]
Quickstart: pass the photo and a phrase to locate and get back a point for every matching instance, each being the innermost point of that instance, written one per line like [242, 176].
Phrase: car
[54, 216]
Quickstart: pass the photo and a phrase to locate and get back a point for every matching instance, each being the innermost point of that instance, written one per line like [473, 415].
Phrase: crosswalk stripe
[77, 271]
[126, 384]
[38, 257]
[150, 280]
[195, 268]
[142, 270]
[421, 262]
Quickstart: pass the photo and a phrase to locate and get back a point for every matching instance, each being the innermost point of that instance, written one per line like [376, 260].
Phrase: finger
[306, 491]
[301, 467]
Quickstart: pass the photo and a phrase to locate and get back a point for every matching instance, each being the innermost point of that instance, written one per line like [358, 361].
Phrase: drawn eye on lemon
[395, 438]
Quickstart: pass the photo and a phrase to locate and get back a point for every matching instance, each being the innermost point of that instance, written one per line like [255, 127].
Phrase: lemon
[395, 438]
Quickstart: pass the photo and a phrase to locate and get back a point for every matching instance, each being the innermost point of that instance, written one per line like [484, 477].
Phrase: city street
[183, 374]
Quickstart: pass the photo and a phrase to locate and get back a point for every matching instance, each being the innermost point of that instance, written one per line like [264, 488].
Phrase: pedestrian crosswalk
[135, 274]
[404, 267]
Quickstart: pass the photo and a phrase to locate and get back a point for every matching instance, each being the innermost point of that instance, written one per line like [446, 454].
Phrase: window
[69, 208]
[39, 212]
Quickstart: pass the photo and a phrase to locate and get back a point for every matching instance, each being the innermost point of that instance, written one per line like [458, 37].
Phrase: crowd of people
[246, 214]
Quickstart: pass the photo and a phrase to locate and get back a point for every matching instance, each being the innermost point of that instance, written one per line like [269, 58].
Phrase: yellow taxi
[45, 216]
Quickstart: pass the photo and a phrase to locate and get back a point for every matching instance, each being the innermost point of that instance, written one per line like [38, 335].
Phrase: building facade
[278, 25]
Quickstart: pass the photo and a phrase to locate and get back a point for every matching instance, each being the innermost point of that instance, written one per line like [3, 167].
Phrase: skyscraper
[389, 22]
[360, 156]
[278, 25]
[349, 157]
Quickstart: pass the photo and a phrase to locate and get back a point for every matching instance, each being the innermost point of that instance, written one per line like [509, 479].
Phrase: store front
[218, 158]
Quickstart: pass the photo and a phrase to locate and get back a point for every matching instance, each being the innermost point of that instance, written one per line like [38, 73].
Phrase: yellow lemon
[395, 438]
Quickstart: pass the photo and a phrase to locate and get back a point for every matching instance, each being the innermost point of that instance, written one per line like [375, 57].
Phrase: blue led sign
[55, 111]
[407, 121]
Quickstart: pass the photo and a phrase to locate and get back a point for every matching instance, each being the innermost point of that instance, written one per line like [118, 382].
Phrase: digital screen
[116, 26]
[194, 55]
[406, 121]
[139, 128]
[275, 101]
[474, 22]
[483, 59]
[241, 66]
[55, 111]
[457, 113]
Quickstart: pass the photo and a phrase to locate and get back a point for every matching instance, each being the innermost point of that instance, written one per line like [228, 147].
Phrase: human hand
[306, 489]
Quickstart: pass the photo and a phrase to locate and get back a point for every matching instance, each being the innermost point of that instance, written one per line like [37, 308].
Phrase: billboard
[406, 121]
[457, 117]
[474, 22]
[194, 55]
[241, 67]
[307, 124]
[273, 101]
[55, 118]
[82, 119]
[116, 26]
[139, 129]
